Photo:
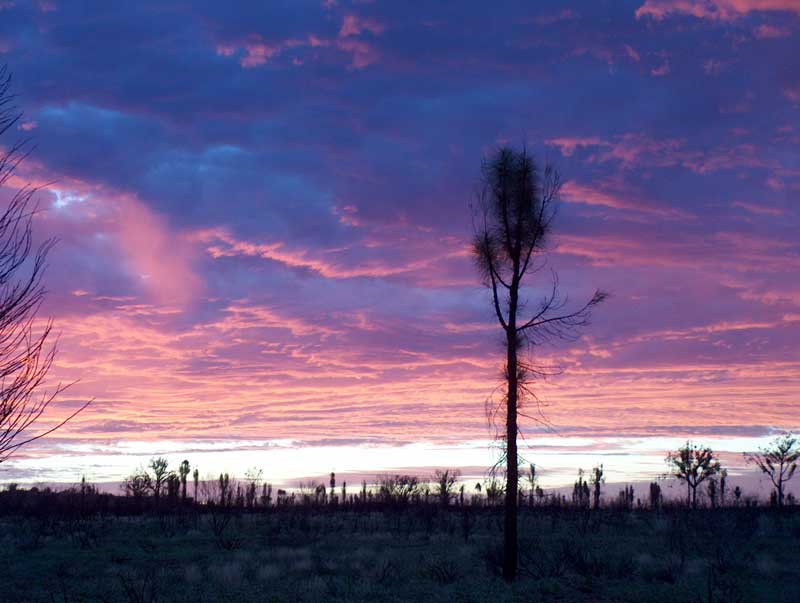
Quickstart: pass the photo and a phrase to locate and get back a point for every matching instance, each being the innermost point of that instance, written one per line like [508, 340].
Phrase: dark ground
[423, 554]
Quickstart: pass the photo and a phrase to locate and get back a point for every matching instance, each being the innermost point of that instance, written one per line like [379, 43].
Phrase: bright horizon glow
[287, 464]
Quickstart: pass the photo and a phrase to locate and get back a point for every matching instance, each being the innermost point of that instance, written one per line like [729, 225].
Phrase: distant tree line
[159, 488]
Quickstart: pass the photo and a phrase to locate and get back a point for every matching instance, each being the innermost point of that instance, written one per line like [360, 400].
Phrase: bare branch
[26, 355]
[562, 325]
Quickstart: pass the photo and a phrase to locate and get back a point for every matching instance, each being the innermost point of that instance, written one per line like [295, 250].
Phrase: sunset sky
[263, 216]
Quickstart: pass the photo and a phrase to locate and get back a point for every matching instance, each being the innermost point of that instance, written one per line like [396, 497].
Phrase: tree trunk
[512, 466]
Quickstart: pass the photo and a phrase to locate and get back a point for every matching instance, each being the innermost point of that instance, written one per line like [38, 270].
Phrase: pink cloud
[159, 257]
[347, 214]
[242, 316]
[363, 53]
[226, 50]
[573, 192]
[759, 209]
[661, 70]
[353, 25]
[635, 150]
[568, 145]
[615, 197]
[765, 31]
[258, 54]
[630, 150]
[337, 263]
[556, 17]
[256, 51]
[631, 52]
[724, 10]
[317, 42]
[792, 93]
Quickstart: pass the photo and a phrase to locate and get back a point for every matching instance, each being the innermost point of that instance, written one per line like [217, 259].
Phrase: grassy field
[423, 554]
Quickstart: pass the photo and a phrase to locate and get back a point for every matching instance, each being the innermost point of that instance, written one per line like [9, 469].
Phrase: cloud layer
[264, 214]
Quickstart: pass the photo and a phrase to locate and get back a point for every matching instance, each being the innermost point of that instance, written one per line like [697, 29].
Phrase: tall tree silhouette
[778, 461]
[26, 348]
[512, 229]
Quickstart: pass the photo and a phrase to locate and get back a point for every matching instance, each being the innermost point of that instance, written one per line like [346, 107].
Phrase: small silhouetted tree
[225, 490]
[778, 461]
[183, 471]
[723, 486]
[494, 490]
[693, 464]
[580, 491]
[532, 483]
[444, 483]
[655, 496]
[598, 479]
[138, 484]
[26, 349]
[196, 479]
[266, 495]
[397, 488]
[626, 497]
[159, 467]
[512, 230]
[321, 494]
[713, 492]
[253, 478]
[173, 488]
